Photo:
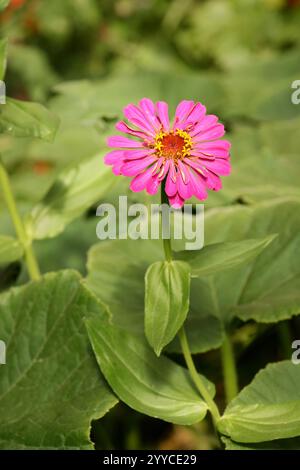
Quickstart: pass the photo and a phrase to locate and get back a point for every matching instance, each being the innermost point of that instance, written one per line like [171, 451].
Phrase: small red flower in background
[17, 3]
[11, 7]
[188, 155]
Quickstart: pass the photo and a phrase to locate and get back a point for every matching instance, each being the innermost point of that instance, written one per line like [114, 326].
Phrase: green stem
[285, 338]
[166, 241]
[196, 377]
[167, 249]
[229, 370]
[30, 258]
[184, 342]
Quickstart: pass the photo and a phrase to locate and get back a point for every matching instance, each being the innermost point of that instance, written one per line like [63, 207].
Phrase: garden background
[84, 60]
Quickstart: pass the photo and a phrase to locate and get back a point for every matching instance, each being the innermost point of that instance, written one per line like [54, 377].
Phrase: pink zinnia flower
[187, 155]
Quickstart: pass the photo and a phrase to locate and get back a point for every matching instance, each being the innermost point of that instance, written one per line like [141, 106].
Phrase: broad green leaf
[104, 97]
[123, 290]
[266, 163]
[68, 249]
[280, 444]
[51, 387]
[267, 289]
[167, 293]
[25, 119]
[204, 329]
[74, 191]
[253, 290]
[154, 386]
[222, 256]
[268, 408]
[3, 54]
[10, 249]
[250, 95]
[279, 105]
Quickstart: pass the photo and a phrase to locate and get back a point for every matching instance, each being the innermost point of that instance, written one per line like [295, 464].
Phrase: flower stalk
[229, 370]
[196, 377]
[200, 385]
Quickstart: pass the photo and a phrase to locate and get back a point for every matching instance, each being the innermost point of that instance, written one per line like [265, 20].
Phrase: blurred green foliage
[86, 59]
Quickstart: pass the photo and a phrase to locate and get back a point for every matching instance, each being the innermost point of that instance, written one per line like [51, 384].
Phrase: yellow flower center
[175, 145]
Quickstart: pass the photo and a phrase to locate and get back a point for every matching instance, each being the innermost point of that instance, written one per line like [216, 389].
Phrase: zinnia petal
[206, 123]
[171, 184]
[215, 132]
[123, 127]
[185, 190]
[114, 156]
[152, 185]
[198, 185]
[140, 181]
[197, 113]
[182, 111]
[136, 117]
[135, 154]
[148, 108]
[213, 181]
[189, 158]
[163, 116]
[176, 201]
[220, 166]
[133, 167]
[216, 148]
[120, 141]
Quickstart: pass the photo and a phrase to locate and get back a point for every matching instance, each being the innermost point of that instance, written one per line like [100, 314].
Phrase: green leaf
[25, 119]
[3, 54]
[221, 256]
[277, 106]
[268, 408]
[51, 387]
[167, 294]
[10, 249]
[280, 444]
[103, 98]
[200, 320]
[148, 384]
[266, 289]
[123, 290]
[74, 191]
[250, 95]
[252, 290]
[266, 162]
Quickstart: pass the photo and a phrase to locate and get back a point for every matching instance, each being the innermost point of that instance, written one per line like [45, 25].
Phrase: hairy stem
[30, 259]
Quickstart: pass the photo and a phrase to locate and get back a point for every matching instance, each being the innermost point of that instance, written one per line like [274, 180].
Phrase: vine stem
[198, 381]
[229, 370]
[30, 259]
